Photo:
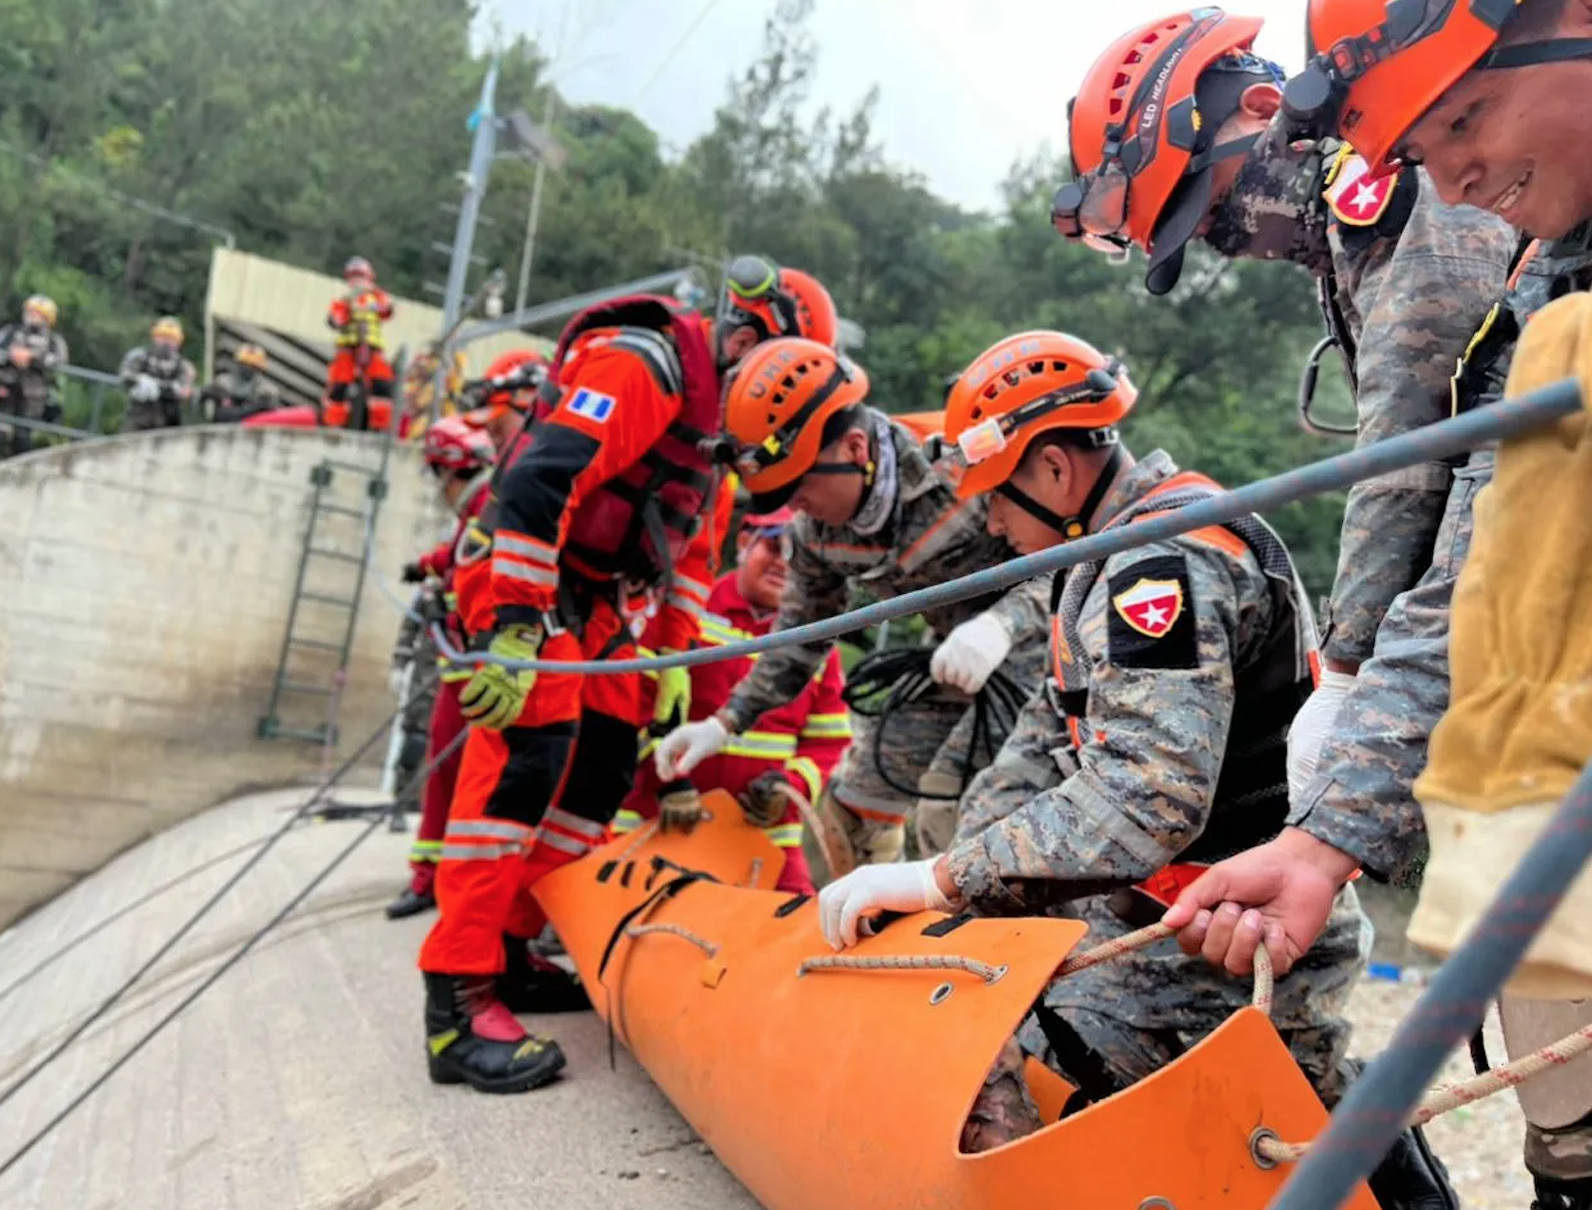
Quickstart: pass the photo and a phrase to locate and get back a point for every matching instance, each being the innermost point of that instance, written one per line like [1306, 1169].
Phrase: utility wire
[221, 892]
[125, 910]
[1430, 443]
[211, 979]
[674, 51]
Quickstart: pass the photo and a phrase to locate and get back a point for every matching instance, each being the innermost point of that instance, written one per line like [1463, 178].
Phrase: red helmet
[769, 524]
[1377, 65]
[510, 365]
[355, 265]
[775, 301]
[1142, 133]
[453, 445]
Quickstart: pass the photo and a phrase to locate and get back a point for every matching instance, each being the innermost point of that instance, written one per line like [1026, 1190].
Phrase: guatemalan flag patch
[593, 405]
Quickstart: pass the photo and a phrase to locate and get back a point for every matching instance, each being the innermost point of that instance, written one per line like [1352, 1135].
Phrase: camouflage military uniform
[1361, 801]
[1403, 282]
[930, 537]
[29, 392]
[415, 647]
[238, 394]
[1119, 768]
[172, 371]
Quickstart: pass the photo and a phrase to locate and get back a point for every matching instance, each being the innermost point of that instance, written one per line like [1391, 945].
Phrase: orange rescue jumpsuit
[358, 319]
[540, 793]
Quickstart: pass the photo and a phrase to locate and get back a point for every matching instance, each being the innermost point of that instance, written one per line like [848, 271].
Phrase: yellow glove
[1518, 727]
[673, 703]
[496, 695]
[679, 807]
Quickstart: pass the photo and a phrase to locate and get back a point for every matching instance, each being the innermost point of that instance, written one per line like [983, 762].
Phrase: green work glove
[673, 703]
[495, 695]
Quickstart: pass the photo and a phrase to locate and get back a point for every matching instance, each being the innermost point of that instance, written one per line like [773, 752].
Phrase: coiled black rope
[887, 681]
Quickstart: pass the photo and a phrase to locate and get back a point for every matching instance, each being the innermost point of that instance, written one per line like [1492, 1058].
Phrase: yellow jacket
[1519, 723]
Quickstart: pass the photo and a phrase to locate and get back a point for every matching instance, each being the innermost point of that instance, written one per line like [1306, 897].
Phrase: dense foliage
[311, 130]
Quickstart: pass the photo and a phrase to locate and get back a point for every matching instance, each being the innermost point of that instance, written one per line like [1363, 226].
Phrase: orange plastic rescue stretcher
[848, 1088]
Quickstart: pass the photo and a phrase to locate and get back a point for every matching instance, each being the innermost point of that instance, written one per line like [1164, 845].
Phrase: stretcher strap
[1447, 1097]
[1150, 935]
[674, 930]
[903, 962]
[836, 852]
[667, 891]
[1442, 1099]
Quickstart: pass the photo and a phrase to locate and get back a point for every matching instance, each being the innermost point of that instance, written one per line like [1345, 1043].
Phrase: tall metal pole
[535, 214]
[481, 152]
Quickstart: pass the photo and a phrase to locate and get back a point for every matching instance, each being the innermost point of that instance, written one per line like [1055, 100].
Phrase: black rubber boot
[1562, 1195]
[410, 903]
[471, 1039]
[531, 984]
[1411, 1177]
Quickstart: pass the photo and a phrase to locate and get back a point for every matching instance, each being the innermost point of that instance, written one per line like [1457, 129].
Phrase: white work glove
[146, 388]
[871, 889]
[1310, 729]
[971, 652]
[684, 748]
[398, 679]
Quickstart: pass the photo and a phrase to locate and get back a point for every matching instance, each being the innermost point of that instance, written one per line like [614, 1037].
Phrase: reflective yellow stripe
[713, 631]
[785, 835]
[767, 744]
[805, 768]
[626, 821]
[425, 850]
[827, 726]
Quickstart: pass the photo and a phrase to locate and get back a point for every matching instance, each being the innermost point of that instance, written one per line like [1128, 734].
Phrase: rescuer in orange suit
[592, 526]
[460, 451]
[797, 744]
[357, 318]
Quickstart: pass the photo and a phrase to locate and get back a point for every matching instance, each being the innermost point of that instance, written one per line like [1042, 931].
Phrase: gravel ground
[1480, 1143]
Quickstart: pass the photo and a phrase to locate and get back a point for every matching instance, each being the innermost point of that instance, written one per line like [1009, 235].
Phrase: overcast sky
[966, 86]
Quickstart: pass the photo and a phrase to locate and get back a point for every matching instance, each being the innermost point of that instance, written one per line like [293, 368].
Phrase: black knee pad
[1562, 1195]
[536, 763]
[603, 768]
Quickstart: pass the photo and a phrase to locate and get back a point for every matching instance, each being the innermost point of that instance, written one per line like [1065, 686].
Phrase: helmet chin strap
[867, 470]
[1077, 525]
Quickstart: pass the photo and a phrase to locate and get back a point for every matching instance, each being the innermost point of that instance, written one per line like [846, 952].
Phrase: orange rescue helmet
[1377, 65]
[510, 366]
[774, 300]
[778, 405]
[1141, 134]
[1025, 385]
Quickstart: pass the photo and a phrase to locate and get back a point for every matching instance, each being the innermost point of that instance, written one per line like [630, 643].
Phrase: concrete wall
[144, 591]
